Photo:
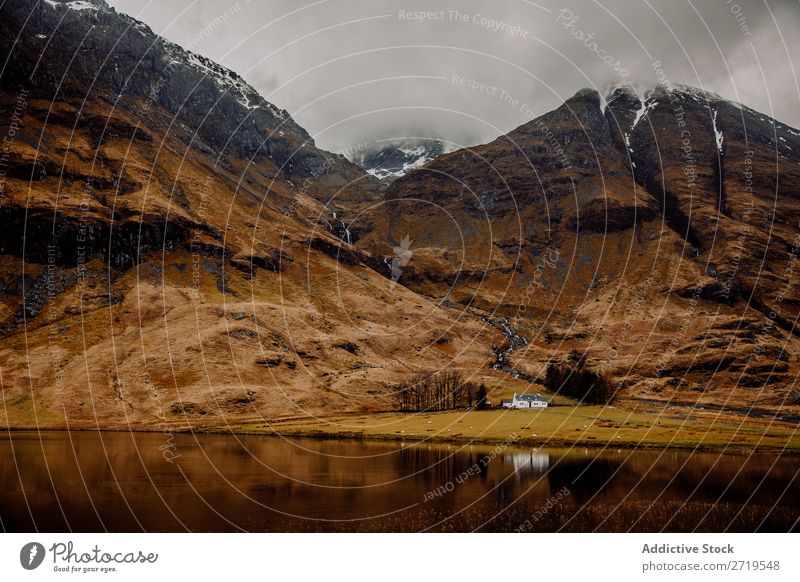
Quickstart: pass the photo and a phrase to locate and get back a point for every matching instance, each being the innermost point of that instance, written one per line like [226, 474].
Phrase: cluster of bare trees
[432, 391]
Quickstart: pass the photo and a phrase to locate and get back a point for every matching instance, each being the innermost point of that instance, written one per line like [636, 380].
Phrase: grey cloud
[356, 70]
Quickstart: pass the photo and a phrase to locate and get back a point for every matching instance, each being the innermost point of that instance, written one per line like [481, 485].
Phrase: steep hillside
[171, 251]
[729, 179]
[534, 207]
[175, 251]
[79, 49]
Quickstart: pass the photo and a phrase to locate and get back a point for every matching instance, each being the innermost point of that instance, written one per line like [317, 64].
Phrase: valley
[177, 254]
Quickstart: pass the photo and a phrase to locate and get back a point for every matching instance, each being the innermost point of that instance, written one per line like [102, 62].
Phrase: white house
[526, 401]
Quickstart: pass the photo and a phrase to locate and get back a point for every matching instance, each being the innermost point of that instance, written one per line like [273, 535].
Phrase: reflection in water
[530, 462]
[122, 482]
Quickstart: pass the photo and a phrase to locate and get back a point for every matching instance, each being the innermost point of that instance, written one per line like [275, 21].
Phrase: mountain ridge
[677, 193]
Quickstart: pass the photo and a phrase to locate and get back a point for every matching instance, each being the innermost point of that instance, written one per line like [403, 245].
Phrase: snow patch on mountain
[74, 5]
[694, 94]
[717, 133]
[647, 105]
[389, 159]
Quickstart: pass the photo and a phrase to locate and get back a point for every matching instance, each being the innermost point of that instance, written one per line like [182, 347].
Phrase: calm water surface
[89, 481]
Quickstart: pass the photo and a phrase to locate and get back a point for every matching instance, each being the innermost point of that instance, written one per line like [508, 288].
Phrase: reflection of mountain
[222, 483]
[585, 475]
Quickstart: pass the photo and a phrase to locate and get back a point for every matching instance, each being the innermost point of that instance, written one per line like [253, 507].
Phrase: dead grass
[556, 425]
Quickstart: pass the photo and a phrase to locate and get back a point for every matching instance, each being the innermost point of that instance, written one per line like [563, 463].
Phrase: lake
[117, 481]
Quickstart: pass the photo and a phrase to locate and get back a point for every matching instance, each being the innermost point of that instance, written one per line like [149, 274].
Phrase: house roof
[530, 397]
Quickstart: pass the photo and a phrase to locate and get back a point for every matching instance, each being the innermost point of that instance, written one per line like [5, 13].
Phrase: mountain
[177, 252]
[657, 236]
[172, 247]
[388, 160]
[489, 212]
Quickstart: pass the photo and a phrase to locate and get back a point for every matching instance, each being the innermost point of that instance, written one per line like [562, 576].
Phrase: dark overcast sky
[354, 70]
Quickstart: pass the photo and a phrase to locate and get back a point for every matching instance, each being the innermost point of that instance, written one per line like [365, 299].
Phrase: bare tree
[482, 396]
[422, 386]
[470, 391]
[404, 396]
[399, 396]
[425, 391]
[456, 386]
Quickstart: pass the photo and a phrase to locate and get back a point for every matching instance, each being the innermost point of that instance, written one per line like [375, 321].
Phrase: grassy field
[625, 425]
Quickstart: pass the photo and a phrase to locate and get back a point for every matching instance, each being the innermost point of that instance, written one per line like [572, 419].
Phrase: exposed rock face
[623, 112]
[728, 179]
[70, 49]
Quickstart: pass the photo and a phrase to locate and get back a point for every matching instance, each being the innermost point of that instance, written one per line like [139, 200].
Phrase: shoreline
[520, 442]
[736, 448]
[562, 426]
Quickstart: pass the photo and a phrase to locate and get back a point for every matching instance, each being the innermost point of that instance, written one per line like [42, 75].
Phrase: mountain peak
[585, 95]
[387, 160]
[79, 4]
[127, 64]
[684, 93]
[623, 91]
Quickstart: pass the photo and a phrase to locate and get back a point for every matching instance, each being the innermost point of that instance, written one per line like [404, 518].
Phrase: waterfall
[342, 231]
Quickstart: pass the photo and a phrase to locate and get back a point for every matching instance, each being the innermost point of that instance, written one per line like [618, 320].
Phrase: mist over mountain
[390, 159]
